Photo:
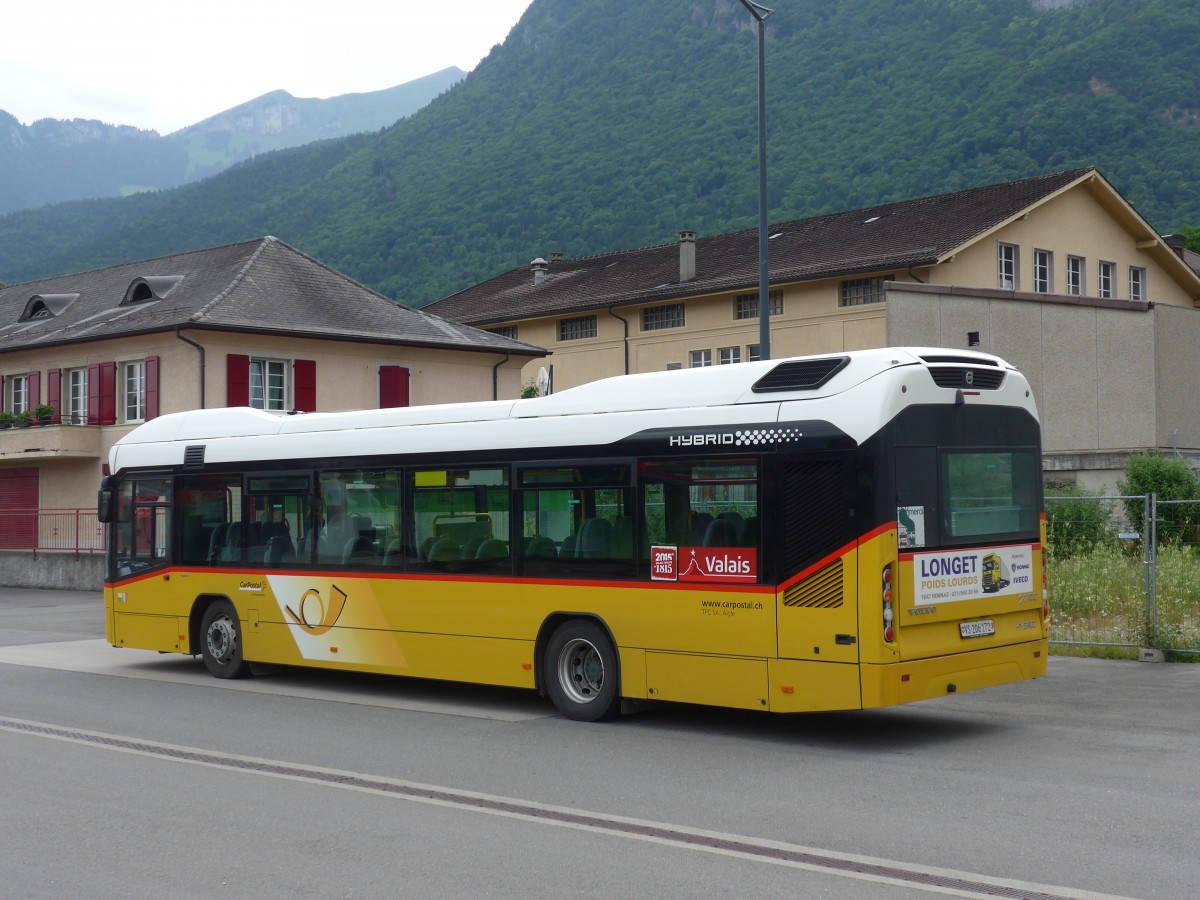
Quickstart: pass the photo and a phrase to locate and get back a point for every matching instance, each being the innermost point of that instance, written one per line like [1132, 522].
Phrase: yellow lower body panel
[167, 634]
[799, 685]
[924, 679]
[710, 680]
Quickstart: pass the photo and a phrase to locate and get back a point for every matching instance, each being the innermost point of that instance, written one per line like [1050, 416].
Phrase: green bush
[1170, 479]
[1076, 524]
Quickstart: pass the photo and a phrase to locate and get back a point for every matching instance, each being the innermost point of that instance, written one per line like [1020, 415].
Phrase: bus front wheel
[221, 641]
[581, 671]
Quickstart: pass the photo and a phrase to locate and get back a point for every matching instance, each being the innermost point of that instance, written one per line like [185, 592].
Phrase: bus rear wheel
[581, 672]
[221, 641]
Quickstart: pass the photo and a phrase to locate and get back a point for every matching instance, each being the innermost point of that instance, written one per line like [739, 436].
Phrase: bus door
[816, 549]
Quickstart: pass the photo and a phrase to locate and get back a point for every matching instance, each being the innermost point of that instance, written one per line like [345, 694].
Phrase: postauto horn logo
[315, 616]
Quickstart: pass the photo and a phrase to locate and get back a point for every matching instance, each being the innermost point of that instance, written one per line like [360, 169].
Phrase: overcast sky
[164, 64]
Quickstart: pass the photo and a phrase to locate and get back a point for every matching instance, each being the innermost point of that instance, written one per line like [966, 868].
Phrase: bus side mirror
[104, 506]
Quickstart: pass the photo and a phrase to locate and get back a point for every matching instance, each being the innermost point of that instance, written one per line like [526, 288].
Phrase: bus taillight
[1045, 585]
[889, 633]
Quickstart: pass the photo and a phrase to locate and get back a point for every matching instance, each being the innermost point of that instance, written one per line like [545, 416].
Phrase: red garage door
[18, 509]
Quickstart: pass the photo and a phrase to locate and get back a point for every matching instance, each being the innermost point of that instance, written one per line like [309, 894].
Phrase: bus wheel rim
[222, 639]
[581, 671]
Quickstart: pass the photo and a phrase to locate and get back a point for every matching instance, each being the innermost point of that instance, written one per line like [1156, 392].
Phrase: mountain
[55, 160]
[605, 124]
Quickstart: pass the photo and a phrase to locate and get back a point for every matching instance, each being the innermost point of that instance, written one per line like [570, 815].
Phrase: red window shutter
[33, 387]
[393, 386]
[305, 392]
[237, 380]
[54, 393]
[18, 494]
[108, 393]
[93, 388]
[151, 374]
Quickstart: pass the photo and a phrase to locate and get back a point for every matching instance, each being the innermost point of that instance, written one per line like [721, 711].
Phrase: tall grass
[1098, 596]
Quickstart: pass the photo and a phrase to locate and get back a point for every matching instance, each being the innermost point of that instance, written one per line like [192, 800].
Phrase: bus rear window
[989, 493]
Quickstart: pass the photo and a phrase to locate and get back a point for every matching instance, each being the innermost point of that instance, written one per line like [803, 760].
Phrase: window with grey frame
[655, 318]
[1076, 276]
[1043, 271]
[1008, 266]
[745, 306]
[577, 328]
[1137, 283]
[1106, 279]
[860, 291]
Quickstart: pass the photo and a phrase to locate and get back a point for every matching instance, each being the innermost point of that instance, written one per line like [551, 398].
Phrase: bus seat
[541, 546]
[492, 549]
[471, 547]
[622, 544]
[394, 554]
[232, 551]
[445, 549]
[216, 541]
[279, 550]
[595, 539]
[427, 545]
[733, 516]
[699, 524]
[748, 537]
[358, 548]
[720, 533]
[568, 545]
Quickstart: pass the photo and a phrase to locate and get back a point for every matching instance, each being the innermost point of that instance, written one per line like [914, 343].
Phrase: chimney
[556, 256]
[539, 267]
[1176, 242]
[687, 256]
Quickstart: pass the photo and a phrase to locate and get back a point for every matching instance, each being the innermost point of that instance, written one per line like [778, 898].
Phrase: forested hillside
[602, 124]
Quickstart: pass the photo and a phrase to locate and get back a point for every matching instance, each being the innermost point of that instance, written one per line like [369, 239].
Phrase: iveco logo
[970, 377]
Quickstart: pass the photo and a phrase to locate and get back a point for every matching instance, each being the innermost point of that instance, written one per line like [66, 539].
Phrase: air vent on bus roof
[193, 457]
[801, 374]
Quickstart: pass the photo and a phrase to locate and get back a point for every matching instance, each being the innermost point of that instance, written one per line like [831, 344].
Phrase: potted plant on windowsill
[44, 413]
[6, 420]
[23, 419]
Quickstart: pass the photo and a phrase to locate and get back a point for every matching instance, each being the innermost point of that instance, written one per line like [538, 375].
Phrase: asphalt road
[127, 774]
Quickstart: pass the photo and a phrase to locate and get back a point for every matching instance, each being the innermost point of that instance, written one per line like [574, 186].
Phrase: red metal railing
[75, 531]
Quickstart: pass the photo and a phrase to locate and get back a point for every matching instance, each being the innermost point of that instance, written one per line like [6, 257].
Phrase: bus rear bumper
[924, 679]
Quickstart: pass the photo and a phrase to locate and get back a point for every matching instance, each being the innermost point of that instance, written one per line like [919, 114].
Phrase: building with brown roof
[250, 324]
[1023, 269]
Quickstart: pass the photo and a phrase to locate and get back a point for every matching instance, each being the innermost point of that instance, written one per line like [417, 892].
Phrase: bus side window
[206, 505]
[700, 503]
[578, 522]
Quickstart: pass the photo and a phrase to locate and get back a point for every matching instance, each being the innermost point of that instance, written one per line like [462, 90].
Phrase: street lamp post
[760, 14]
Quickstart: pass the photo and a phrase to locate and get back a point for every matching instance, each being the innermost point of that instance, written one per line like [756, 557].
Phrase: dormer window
[47, 306]
[150, 288]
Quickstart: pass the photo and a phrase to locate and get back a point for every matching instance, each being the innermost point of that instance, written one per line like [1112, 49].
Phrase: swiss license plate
[977, 629]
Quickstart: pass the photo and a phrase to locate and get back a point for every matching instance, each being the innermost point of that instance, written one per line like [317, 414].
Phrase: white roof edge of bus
[703, 387]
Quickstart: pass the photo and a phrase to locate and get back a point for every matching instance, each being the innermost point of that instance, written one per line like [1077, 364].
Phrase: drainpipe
[496, 376]
[913, 276]
[625, 341]
[179, 335]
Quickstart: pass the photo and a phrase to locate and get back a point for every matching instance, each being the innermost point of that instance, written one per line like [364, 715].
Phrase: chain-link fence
[1124, 572]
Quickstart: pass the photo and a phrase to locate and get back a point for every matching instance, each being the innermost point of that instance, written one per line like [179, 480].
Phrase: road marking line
[828, 862]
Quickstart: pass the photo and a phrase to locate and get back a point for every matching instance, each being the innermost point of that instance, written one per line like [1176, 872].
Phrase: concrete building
[1058, 273]
[256, 324]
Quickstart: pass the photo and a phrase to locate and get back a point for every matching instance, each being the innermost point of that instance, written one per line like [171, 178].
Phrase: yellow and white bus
[792, 535]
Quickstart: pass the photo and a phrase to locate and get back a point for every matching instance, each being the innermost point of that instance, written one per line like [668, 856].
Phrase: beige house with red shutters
[251, 324]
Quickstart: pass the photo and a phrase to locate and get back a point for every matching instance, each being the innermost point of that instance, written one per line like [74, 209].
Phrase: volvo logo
[969, 377]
